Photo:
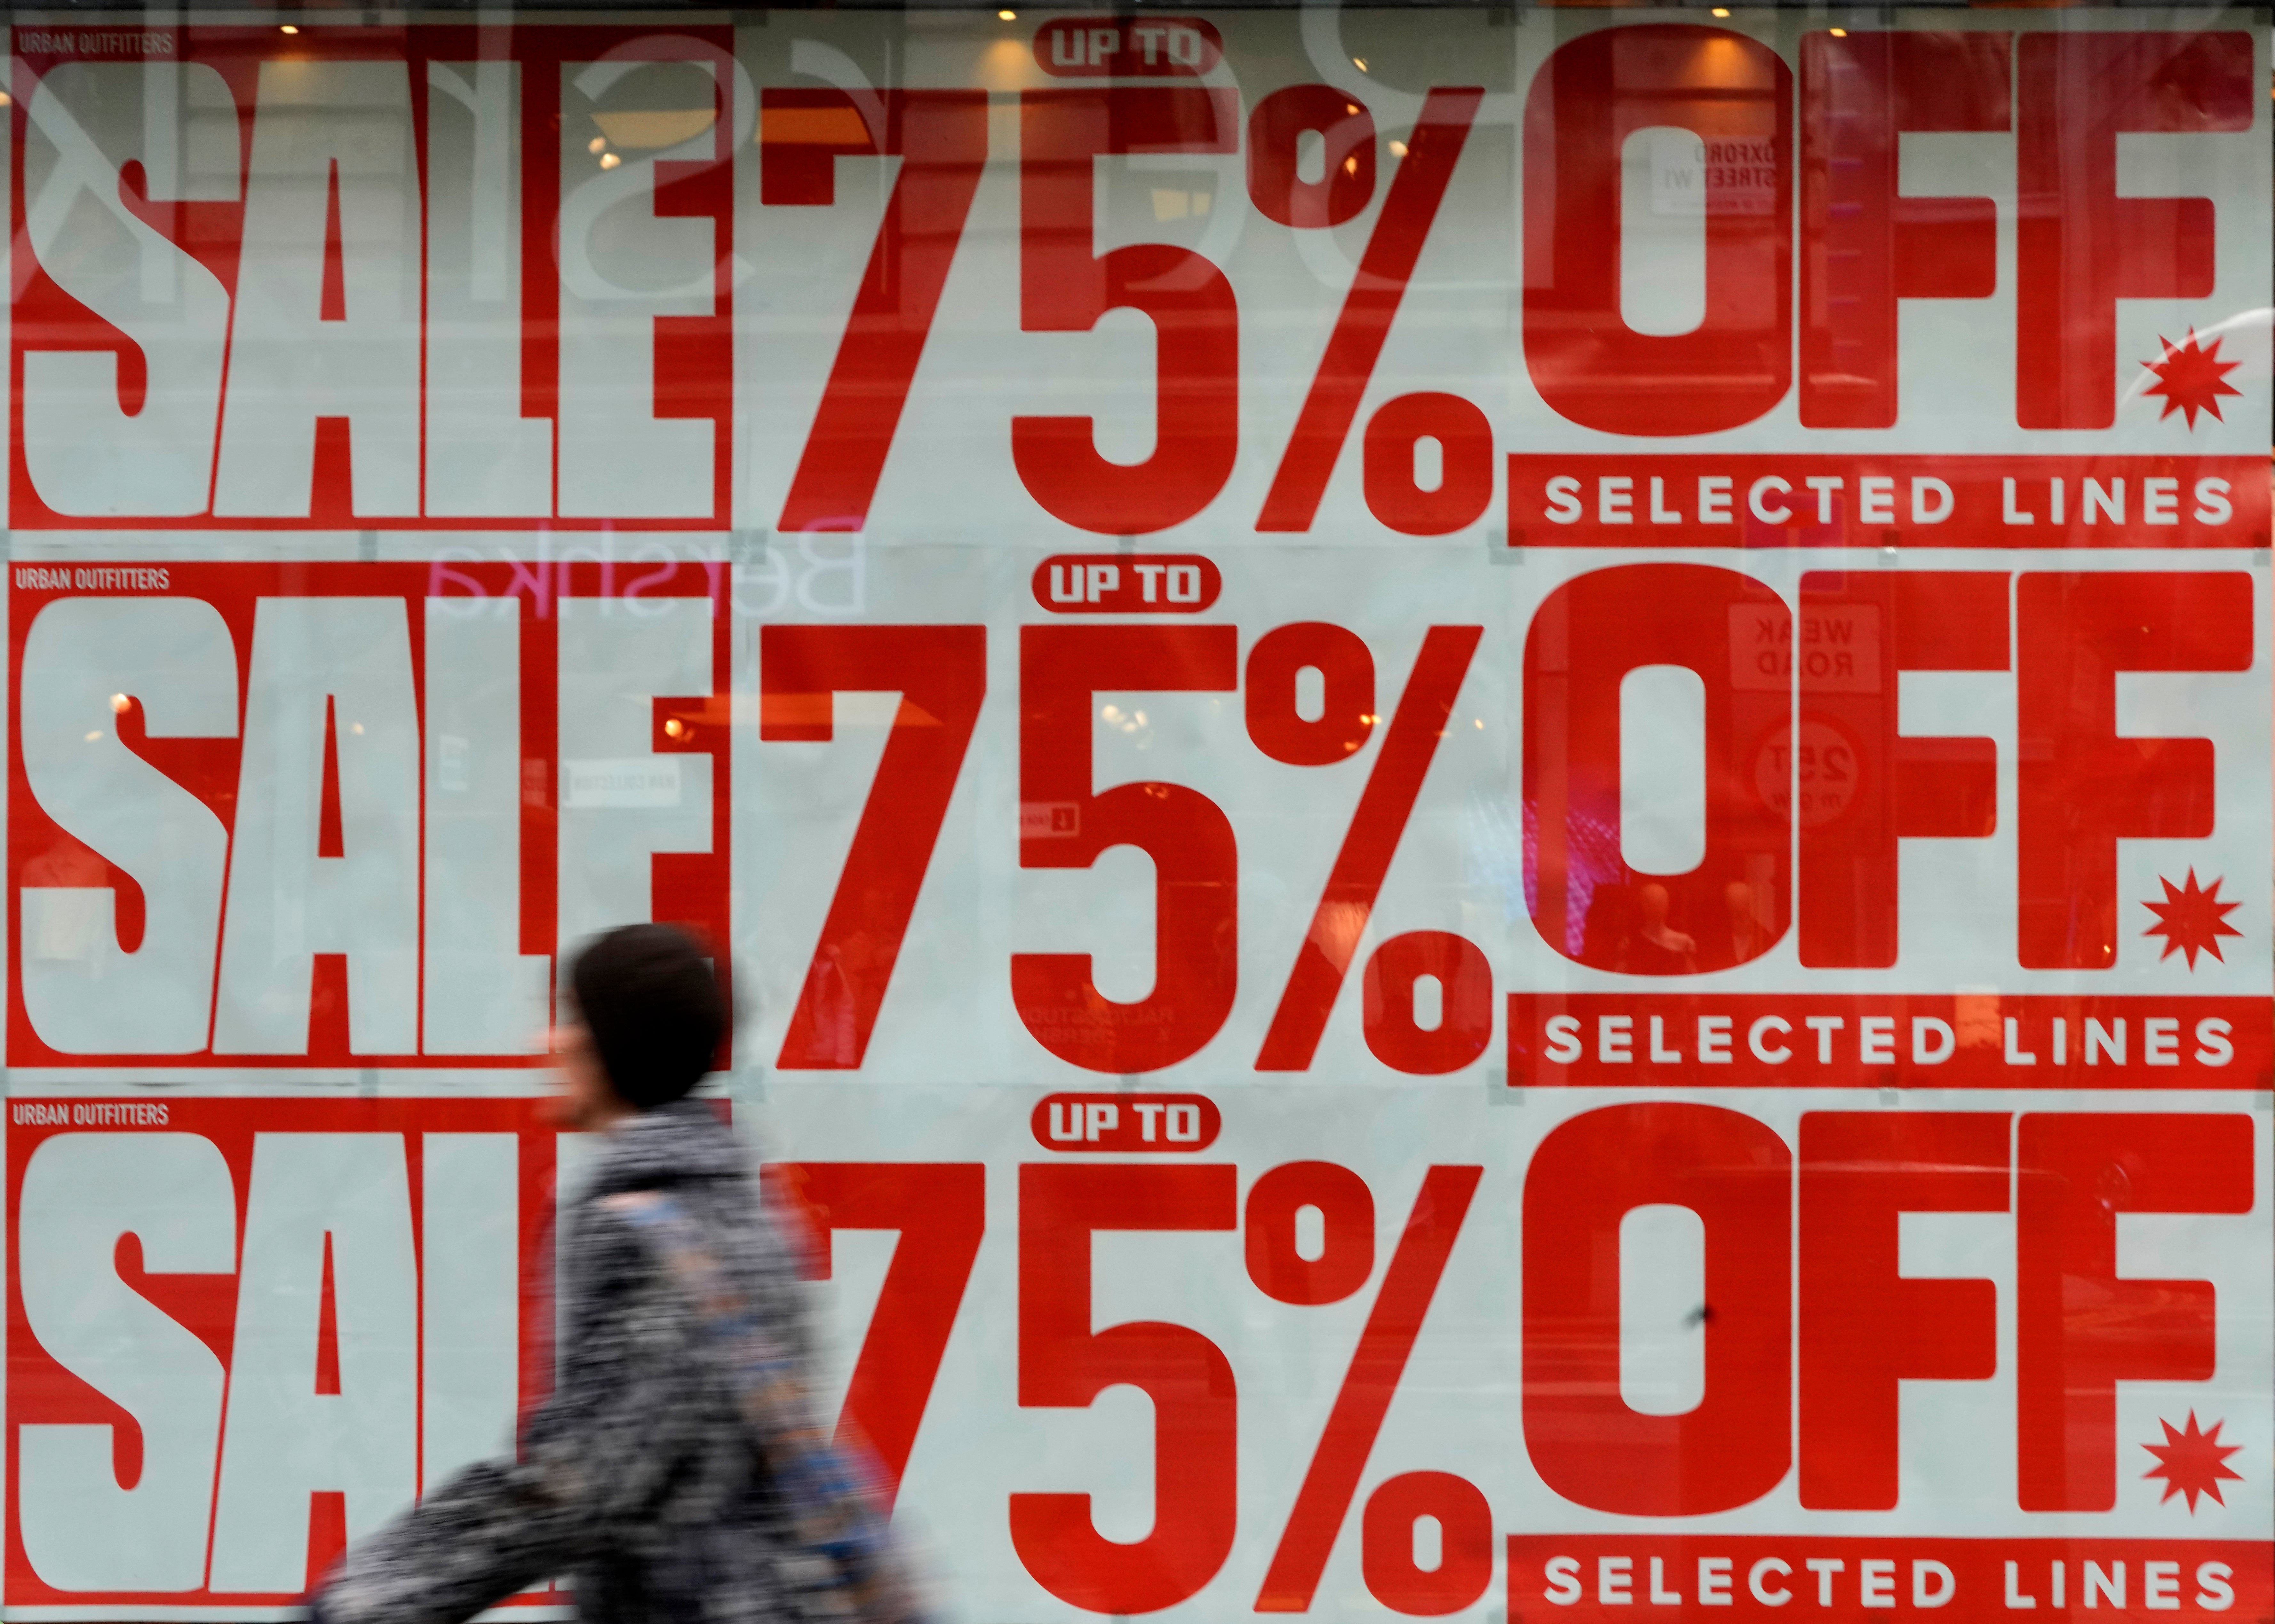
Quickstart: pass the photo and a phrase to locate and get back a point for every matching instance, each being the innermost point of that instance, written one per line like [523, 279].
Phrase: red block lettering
[1064, 1363]
[1585, 1442]
[942, 138]
[941, 674]
[2082, 787]
[1196, 861]
[2079, 1329]
[1589, 634]
[1589, 97]
[1876, 626]
[1866, 245]
[1066, 288]
[2079, 248]
[940, 1210]
[1864, 1328]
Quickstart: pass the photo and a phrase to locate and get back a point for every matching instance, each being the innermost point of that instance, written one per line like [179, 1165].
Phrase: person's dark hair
[653, 1005]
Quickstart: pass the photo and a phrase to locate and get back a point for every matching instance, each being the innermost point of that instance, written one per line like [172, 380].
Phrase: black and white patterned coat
[637, 1479]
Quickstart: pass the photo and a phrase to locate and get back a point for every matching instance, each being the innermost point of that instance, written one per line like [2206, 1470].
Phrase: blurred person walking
[676, 1473]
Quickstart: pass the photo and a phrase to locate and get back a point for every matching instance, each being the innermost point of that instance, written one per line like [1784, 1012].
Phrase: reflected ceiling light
[119, 702]
[1839, 34]
[648, 129]
[1359, 63]
[289, 29]
[610, 160]
[1008, 17]
[1398, 149]
[599, 143]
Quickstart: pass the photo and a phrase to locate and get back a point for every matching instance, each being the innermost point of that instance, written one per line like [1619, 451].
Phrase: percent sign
[1346, 673]
[1346, 1258]
[1464, 436]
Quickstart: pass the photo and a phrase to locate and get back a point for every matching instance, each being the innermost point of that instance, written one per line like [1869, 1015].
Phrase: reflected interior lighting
[1008, 17]
[1721, 11]
[1839, 34]
[1003, 65]
[119, 702]
[1350, 164]
[5, 100]
[675, 728]
[289, 29]
[1398, 149]
[1359, 63]
[599, 143]
[95, 735]
[643, 129]
[610, 160]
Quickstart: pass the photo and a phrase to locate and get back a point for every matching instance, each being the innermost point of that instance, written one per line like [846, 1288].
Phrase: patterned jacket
[638, 1478]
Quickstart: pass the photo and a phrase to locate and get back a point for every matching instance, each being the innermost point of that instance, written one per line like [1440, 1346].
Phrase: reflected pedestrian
[1657, 948]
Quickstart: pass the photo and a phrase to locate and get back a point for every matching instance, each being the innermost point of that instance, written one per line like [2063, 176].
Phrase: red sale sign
[1490, 803]
[350, 302]
[244, 1331]
[323, 828]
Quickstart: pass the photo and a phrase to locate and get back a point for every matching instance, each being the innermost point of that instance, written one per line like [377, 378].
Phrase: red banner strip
[1653, 500]
[1681, 1579]
[1886, 1040]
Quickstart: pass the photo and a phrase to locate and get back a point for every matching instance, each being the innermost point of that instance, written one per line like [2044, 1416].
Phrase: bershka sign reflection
[1523, 756]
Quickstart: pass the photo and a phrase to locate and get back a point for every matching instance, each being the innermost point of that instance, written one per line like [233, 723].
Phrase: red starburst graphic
[2192, 1462]
[2189, 379]
[2191, 920]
